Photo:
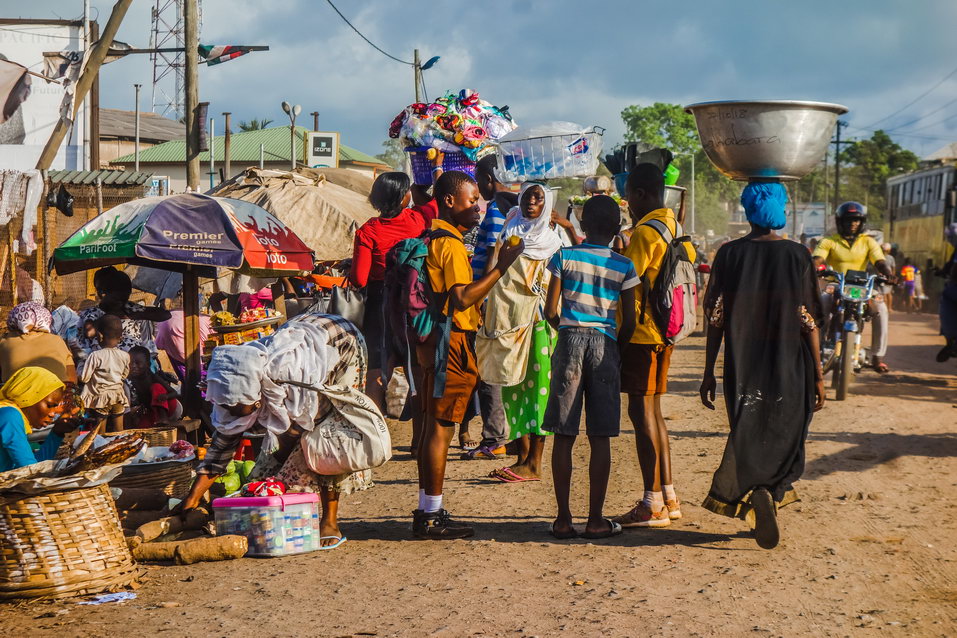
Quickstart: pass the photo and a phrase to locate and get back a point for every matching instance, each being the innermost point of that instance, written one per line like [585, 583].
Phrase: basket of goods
[252, 324]
[60, 534]
[557, 149]
[165, 468]
[461, 125]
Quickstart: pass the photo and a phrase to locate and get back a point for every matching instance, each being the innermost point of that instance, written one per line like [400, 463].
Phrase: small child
[156, 402]
[588, 282]
[103, 374]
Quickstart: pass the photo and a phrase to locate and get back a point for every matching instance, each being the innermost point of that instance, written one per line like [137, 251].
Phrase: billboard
[322, 149]
[25, 133]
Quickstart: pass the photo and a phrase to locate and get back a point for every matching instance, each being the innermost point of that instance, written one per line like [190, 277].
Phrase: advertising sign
[24, 134]
[322, 149]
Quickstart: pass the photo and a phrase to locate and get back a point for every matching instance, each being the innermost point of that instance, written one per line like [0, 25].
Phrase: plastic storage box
[274, 525]
[558, 149]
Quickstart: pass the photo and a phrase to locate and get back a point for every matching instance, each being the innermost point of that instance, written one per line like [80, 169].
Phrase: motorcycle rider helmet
[848, 212]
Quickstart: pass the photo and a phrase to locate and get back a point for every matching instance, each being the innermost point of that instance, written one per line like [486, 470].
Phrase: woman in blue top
[27, 400]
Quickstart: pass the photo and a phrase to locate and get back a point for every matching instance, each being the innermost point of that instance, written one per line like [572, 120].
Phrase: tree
[668, 126]
[871, 162]
[393, 154]
[254, 125]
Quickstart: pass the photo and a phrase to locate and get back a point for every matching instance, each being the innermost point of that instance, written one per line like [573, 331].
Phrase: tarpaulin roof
[324, 207]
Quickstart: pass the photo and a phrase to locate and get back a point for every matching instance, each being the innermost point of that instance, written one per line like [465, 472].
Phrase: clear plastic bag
[556, 149]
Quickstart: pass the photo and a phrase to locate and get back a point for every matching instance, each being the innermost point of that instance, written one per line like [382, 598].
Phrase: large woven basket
[173, 478]
[62, 544]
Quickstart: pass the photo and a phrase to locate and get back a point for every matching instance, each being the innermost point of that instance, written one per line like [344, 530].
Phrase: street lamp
[292, 112]
[691, 230]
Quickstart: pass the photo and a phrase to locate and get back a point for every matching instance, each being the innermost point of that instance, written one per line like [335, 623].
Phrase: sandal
[506, 475]
[614, 529]
[562, 536]
[468, 444]
[484, 453]
[881, 368]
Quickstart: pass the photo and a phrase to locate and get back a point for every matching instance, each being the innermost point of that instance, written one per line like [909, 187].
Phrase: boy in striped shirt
[588, 281]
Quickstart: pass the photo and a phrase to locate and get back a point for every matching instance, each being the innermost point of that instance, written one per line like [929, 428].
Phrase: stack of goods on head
[553, 150]
[253, 324]
[460, 125]
[274, 525]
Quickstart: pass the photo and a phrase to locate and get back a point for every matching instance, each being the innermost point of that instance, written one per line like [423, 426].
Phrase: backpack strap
[443, 342]
[663, 229]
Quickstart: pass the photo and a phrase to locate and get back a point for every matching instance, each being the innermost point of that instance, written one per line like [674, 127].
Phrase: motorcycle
[841, 350]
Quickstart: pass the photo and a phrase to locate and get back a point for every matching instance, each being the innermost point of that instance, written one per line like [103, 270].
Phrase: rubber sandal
[339, 541]
[483, 453]
[469, 446]
[516, 477]
[562, 536]
[502, 476]
[614, 530]
[766, 531]
[881, 368]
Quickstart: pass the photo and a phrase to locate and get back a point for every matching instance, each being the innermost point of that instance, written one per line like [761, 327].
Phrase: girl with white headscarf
[515, 343]
[259, 386]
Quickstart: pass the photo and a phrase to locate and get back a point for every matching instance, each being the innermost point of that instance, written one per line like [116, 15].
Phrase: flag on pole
[217, 54]
[14, 88]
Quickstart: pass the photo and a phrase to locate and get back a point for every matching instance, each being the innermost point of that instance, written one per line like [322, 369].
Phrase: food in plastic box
[274, 525]
[557, 149]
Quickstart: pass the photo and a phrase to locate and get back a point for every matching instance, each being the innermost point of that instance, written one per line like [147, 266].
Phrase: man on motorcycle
[851, 249]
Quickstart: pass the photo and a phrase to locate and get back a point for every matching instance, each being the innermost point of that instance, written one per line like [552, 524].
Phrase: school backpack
[412, 311]
[673, 299]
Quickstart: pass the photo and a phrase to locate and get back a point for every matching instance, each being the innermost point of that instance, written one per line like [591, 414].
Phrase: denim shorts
[585, 373]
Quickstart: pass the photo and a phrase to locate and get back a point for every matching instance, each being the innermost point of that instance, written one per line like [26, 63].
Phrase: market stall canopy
[186, 232]
[324, 207]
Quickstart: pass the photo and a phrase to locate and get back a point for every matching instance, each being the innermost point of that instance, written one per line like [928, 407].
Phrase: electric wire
[368, 41]
[914, 101]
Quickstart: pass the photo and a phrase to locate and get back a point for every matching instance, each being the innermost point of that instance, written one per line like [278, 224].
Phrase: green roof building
[169, 159]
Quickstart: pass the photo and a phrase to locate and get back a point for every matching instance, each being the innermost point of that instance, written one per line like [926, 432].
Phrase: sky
[561, 59]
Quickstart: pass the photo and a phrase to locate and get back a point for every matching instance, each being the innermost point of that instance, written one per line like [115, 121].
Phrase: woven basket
[173, 478]
[422, 165]
[63, 544]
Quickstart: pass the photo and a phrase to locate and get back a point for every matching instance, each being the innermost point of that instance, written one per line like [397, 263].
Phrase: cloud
[582, 61]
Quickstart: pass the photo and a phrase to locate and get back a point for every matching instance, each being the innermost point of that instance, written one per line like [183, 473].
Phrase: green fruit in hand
[247, 469]
[231, 467]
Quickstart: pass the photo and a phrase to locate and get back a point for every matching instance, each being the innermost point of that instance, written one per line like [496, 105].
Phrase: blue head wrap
[764, 204]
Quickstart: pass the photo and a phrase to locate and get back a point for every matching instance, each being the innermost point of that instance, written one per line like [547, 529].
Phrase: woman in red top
[390, 196]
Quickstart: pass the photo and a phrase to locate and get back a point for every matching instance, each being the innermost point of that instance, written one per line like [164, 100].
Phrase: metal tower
[166, 32]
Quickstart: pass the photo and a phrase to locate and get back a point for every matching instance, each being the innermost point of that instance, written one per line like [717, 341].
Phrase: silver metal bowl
[770, 139]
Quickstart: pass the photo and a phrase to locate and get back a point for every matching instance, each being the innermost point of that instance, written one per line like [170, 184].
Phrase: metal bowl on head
[765, 139]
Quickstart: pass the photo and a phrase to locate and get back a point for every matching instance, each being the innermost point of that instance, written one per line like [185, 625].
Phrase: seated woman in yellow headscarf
[27, 400]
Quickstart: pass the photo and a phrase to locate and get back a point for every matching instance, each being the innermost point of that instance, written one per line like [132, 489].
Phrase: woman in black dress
[763, 301]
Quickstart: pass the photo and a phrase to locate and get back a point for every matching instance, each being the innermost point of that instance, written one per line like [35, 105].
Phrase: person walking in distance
[645, 360]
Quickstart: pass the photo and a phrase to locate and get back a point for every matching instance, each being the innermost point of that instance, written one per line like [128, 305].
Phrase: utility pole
[315, 120]
[85, 81]
[226, 142]
[417, 68]
[191, 27]
[136, 130]
[837, 161]
[212, 153]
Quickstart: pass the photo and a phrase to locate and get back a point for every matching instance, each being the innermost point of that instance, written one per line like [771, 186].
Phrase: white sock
[421, 499]
[432, 503]
[653, 500]
[669, 491]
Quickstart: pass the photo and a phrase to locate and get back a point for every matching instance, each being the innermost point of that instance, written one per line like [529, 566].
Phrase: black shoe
[766, 530]
[438, 526]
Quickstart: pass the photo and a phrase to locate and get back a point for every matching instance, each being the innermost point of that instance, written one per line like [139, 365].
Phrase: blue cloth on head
[765, 203]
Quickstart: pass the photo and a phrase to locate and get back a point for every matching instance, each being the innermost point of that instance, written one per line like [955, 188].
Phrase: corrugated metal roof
[107, 177]
[153, 127]
[244, 148]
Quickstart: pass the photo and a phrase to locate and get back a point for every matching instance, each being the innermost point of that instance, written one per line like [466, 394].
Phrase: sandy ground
[868, 552]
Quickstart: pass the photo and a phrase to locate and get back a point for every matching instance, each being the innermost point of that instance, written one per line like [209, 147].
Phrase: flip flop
[515, 478]
[500, 475]
[562, 536]
[614, 529]
[469, 445]
[482, 453]
[339, 541]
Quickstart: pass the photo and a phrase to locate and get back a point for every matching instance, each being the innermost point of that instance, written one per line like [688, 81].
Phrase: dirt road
[868, 552]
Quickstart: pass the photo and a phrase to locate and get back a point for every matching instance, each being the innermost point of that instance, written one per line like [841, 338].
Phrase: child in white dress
[103, 374]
